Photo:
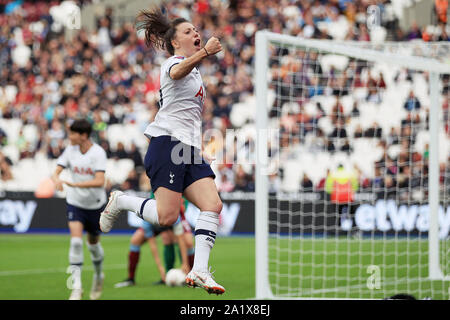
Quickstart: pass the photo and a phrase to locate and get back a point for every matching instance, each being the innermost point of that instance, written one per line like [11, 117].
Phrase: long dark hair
[159, 30]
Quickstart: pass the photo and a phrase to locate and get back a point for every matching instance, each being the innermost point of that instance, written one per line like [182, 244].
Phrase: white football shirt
[181, 104]
[82, 167]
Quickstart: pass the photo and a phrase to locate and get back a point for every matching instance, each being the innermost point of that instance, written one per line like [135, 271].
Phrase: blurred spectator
[389, 190]
[98, 126]
[105, 145]
[5, 168]
[393, 136]
[56, 133]
[306, 184]
[24, 146]
[341, 184]
[374, 88]
[55, 149]
[120, 152]
[412, 103]
[414, 32]
[225, 185]
[375, 131]
[443, 35]
[243, 181]
[274, 183]
[136, 156]
[358, 133]
[337, 112]
[355, 110]
[441, 11]
[131, 182]
[3, 138]
[364, 181]
[109, 76]
[338, 132]
[330, 146]
[445, 89]
[104, 37]
[321, 184]
[346, 147]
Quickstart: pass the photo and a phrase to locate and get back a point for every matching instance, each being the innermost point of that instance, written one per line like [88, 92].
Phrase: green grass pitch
[365, 268]
[32, 266]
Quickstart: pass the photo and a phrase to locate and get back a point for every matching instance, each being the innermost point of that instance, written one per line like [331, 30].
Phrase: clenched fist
[213, 46]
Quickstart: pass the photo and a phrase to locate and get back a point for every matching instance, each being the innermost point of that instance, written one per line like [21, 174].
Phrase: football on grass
[175, 278]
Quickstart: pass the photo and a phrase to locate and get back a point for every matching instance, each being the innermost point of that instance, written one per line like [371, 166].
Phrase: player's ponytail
[159, 30]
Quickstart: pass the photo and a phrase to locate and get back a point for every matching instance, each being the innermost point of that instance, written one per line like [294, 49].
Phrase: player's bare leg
[168, 205]
[136, 241]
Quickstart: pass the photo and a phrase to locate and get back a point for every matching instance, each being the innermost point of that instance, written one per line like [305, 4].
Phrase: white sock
[76, 251]
[144, 208]
[205, 237]
[76, 261]
[97, 257]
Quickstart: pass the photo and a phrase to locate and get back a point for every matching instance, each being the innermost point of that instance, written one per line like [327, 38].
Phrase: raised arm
[183, 68]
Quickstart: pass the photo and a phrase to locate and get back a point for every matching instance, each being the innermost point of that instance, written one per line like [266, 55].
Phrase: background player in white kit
[174, 160]
[86, 199]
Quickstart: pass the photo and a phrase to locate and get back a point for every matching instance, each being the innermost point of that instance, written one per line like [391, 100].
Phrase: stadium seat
[31, 133]
[117, 170]
[115, 134]
[292, 176]
[12, 152]
[12, 129]
[237, 114]
[331, 60]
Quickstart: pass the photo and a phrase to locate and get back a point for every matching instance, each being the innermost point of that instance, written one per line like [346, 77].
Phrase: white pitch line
[386, 283]
[55, 270]
[364, 286]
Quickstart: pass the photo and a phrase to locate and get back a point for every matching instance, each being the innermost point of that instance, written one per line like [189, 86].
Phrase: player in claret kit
[86, 199]
[148, 233]
[179, 233]
[174, 161]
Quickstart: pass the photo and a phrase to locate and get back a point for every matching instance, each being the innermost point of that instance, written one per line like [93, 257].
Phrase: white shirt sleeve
[63, 159]
[100, 160]
[170, 63]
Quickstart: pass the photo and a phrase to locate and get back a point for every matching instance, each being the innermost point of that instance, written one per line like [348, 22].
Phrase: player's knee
[211, 205]
[215, 206]
[167, 221]
[167, 218]
[138, 237]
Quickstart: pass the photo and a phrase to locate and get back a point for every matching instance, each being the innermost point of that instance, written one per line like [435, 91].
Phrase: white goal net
[352, 199]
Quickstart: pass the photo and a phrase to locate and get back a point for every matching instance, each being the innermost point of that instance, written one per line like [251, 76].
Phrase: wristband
[207, 54]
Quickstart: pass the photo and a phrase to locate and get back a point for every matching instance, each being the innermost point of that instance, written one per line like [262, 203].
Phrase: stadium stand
[107, 75]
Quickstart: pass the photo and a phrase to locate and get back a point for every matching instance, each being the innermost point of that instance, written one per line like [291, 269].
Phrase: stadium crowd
[110, 77]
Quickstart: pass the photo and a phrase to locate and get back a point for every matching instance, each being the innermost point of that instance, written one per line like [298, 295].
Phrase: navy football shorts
[174, 165]
[89, 218]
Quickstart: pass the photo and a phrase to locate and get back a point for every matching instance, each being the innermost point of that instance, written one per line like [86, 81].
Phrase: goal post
[396, 244]
[261, 182]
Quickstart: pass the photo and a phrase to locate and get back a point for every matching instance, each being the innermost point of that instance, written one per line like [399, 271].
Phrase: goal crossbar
[410, 62]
